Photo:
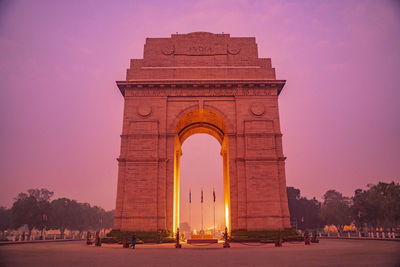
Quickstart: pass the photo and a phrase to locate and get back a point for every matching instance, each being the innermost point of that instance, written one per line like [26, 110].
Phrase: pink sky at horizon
[61, 112]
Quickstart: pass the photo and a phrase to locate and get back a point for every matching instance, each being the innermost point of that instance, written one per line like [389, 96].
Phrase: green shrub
[142, 236]
[266, 236]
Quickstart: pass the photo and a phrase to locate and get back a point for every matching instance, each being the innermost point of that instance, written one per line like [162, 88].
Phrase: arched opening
[194, 122]
[201, 170]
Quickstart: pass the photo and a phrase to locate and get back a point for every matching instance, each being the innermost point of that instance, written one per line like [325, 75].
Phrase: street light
[44, 220]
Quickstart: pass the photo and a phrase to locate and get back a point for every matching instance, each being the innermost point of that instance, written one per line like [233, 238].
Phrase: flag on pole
[214, 194]
[190, 196]
[202, 195]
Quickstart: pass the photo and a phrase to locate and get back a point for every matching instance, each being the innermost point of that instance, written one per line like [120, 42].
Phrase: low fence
[389, 236]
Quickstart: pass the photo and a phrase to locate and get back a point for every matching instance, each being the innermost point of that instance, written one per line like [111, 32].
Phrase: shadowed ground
[326, 253]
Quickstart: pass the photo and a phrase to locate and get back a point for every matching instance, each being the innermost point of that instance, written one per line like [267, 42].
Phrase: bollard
[314, 238]
[125, 242]
[159, 236]
[89, 238]
[177, 245]
[98, 239]
[279, 241]
[306, 238]
[226, 241]
[348, 234]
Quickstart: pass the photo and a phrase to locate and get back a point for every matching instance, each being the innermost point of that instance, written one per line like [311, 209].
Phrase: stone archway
[209, 122]
[210, 83]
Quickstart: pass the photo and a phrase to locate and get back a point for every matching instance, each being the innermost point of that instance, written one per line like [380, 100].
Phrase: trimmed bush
[265, 236]
[116, 236]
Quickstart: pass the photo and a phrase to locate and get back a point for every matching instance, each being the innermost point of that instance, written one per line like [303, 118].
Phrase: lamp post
[226, 239]
[44, 220]
[177, 244]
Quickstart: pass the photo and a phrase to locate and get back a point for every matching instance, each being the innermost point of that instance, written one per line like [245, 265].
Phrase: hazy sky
[61, 112]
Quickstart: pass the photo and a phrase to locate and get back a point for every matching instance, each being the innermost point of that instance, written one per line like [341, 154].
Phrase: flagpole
[214, 209]
[190, 210]
[202, 229]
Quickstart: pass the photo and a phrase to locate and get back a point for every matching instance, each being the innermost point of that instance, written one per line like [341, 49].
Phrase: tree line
[376, 207]
[36, 210]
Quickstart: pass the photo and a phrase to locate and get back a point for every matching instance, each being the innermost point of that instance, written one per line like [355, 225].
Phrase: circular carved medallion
[168, 50]
[144, 110]
[233, 50]
[257, 109]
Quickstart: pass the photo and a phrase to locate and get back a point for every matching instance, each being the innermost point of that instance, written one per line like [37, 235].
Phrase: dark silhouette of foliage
[336, 209]
[5, 218]
[60, 216]
[29, 208]
[305, 213]
[35, 210]
[69, 214]
[378, 206]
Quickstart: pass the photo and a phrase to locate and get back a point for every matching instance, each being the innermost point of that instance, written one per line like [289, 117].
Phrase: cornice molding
[206, 87]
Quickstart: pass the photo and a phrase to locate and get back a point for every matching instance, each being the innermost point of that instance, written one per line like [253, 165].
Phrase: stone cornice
[173, 134]
[249, 159]
[142, 160]
[234, 86]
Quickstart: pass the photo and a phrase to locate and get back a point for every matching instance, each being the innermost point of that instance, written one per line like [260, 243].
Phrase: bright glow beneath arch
[201, 167]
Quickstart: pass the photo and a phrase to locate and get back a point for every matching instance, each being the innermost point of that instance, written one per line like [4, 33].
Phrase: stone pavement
[326, 253]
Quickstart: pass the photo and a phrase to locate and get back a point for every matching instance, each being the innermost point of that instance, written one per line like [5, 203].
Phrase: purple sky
[61, 112]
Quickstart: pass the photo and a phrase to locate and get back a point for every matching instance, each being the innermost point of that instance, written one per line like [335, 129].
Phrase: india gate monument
[201, 83]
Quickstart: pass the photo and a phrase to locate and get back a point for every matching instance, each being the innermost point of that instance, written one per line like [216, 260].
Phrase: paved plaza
[326, 253]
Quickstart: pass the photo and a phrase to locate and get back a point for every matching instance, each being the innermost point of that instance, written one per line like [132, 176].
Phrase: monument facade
[201, 83]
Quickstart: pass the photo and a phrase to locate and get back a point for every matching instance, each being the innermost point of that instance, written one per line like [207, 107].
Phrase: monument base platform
[202, 241]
